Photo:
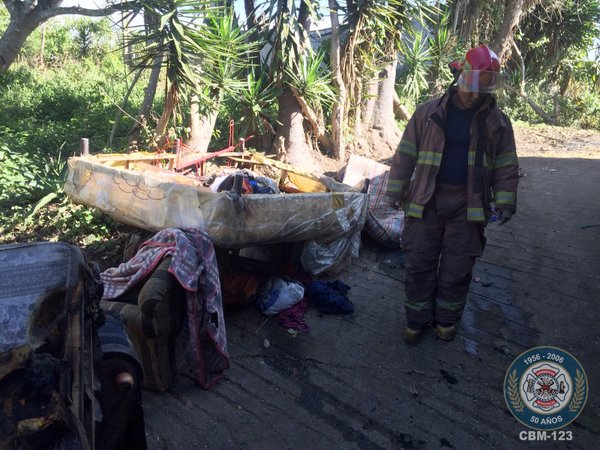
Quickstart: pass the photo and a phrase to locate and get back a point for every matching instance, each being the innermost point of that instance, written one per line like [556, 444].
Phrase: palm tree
[202, 51]
[362, 55]
[302, 80]
[369, 57]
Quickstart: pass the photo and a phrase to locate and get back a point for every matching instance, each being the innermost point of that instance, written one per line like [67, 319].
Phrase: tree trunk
[202, 127]
[151, 23]
[298, 152]
[127, 46]
[305, 21]
[337, 114]
[351, 72]
[290, 131]
[462, 19]
[171, 102]
[383, 112]
[456, 14]
[18, 30]
[365, 121]
[146, 106]
[315, 119]
[379, 130]
[249, 7]
[502, 41]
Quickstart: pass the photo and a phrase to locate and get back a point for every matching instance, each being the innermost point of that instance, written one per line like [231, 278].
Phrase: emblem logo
[545, 388]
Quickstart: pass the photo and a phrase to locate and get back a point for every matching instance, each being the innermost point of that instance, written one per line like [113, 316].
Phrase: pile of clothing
[251, 183]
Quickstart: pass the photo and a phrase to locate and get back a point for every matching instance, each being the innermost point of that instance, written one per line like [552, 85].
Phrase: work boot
[412, 335]
[446, 333]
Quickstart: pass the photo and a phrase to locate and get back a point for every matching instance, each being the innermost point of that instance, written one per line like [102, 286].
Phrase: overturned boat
[134, 192]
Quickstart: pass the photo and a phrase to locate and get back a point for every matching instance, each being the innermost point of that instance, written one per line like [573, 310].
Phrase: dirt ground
[532, 141]
[557, 142]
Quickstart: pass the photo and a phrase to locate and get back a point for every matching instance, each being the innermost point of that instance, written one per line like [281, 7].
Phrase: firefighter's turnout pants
[441, 249]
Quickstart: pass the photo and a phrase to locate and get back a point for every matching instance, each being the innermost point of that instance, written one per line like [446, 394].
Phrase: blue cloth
[260, 188]
[455, 159]
[329, 296]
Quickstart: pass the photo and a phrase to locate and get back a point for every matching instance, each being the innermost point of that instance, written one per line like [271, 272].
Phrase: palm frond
[312, 79]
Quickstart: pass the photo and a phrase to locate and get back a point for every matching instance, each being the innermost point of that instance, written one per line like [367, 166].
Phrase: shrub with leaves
[416, 59]
[254, 109]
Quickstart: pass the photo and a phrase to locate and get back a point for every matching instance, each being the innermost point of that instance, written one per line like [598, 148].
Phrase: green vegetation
[46, 109]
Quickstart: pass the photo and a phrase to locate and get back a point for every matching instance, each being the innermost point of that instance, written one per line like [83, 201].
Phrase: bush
[43, 110]
[43, 115]
[18, 178]
[579, 108]
[59, 221]
[34, 206]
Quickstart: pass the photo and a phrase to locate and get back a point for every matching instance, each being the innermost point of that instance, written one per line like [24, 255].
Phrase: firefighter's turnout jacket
[492, 159]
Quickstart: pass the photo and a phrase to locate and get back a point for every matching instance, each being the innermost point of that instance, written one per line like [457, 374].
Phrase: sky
[92, 4]
[84, 3]
[239, 7]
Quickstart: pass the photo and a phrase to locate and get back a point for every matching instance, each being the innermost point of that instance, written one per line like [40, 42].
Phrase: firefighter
[457, 157]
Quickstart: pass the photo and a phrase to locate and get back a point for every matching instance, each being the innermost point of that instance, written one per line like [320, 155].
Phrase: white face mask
[483, 81]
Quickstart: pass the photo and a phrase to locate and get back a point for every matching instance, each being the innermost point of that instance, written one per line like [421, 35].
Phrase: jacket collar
[494, 118]
[488, 103]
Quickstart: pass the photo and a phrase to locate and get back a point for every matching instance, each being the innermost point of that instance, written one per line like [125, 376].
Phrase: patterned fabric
[30, 274]
[194, 265]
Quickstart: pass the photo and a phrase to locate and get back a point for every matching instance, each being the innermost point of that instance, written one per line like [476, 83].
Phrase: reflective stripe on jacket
[493, 164]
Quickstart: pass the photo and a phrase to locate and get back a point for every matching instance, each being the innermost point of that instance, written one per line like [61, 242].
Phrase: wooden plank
[138, 156]
[194, 158]
[328, 182]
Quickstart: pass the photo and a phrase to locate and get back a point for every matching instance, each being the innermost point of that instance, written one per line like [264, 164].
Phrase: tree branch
[521, 91]
[76, 10]
[313, 119]
[521, 65]
[400, 110]
[536, 108]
